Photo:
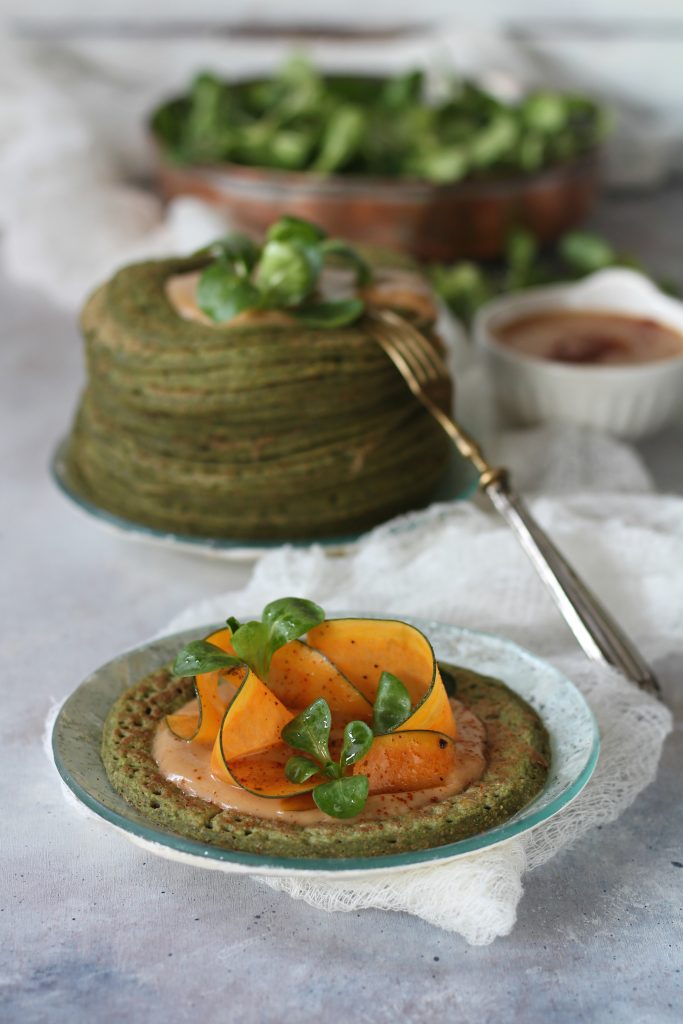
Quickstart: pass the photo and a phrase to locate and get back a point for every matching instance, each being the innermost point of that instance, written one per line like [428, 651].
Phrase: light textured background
[599, 933]
[380, 12]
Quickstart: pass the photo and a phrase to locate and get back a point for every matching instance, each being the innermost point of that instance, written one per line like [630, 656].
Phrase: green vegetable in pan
[301, 119]
[465, 286]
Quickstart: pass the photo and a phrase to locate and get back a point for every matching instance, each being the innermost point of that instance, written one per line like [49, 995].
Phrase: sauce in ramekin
[591, 338]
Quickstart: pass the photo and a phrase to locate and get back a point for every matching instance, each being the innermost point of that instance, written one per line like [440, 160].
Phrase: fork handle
[594, 628]
[596, 631]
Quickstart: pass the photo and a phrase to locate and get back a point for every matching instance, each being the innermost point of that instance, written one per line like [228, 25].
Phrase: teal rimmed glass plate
[459, 483]
[572, 729]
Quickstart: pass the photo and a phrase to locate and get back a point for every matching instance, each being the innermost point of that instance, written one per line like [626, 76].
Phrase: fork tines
[415, 357]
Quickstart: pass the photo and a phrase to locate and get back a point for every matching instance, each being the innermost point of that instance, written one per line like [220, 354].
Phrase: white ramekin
[628, 401]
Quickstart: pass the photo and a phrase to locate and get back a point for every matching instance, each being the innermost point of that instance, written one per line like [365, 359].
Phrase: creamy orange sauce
[188, 766]
[602, 339]
[395, 287]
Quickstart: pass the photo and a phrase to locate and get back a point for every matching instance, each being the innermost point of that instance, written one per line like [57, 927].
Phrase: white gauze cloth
[461, 565]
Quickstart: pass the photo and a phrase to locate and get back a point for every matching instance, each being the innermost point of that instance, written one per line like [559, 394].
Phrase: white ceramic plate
[573, 734]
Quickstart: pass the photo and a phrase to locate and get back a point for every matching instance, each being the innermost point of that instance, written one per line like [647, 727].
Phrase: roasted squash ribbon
[342, 661]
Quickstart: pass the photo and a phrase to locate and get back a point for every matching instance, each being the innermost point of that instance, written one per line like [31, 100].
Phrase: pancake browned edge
[517, 766]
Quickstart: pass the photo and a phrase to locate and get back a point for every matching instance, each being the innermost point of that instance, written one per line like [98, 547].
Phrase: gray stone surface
[599, 934]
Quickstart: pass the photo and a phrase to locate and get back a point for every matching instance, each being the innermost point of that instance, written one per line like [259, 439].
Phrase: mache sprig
[254, 642]
[345, 794]
[282, 274]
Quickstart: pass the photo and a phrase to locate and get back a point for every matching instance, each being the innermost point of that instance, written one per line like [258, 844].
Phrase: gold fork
[426, 375]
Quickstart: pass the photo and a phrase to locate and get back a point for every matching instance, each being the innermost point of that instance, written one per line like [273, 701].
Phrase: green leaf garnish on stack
[237, 249]
[331, 314]
[289, 228]
[283, 274]
[340, 253]
[221, 294]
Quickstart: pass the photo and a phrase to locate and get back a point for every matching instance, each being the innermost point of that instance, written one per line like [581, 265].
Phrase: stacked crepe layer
[256, 430]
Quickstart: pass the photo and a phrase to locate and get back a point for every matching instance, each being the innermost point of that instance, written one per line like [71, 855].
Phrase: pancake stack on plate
[256, 429]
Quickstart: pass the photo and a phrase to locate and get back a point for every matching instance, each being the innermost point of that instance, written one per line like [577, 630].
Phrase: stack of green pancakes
[247, 430]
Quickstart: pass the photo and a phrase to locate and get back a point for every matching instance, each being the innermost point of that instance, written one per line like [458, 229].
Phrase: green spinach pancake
[515, 766]
[273, 424]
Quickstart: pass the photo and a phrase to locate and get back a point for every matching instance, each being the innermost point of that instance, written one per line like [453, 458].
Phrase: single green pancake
[278, 423]
[517, 756]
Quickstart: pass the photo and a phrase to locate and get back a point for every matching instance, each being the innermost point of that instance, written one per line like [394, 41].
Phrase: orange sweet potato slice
[203, 726]
[263, 774]
[248, 750]
[342, 662]
[253, 721]
[405, 761]
[300, 674]
[364, 648]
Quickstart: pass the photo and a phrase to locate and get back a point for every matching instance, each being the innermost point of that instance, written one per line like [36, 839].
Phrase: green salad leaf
[521, 253]
[289, 618]
[330, 314]
[289, 228]
[342, 139]
[300, 769]
[357, 741]
[222, 294]
[584, 252]
[287, 272]
[345, 795]
[342, 798]
[283, 274]
[441, 130]
[310, 731]
[237, 249]
[254, 642]
[342, 253]
[392, 704]
[283, 620]
[545, 112]
[200, 656]
[441, 165]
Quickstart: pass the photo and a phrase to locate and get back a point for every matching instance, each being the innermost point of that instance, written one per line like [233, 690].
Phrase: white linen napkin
[461, 565]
